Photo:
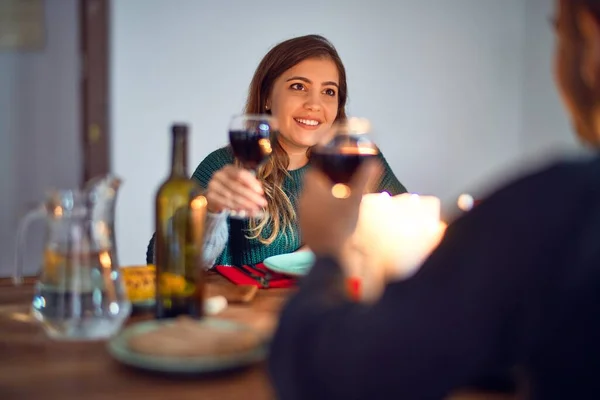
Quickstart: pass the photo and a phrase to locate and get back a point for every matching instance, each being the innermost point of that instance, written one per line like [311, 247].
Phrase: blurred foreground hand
[328, 213]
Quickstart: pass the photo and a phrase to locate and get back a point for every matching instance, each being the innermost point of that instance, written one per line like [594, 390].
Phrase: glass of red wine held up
[250, 138]
[343, 151]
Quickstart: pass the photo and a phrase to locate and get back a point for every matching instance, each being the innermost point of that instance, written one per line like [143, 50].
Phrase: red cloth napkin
[277, 281]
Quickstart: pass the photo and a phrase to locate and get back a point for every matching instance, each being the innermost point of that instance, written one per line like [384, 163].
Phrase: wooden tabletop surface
[33, 366]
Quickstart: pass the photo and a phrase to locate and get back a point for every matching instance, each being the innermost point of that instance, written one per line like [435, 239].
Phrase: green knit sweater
[286, 242]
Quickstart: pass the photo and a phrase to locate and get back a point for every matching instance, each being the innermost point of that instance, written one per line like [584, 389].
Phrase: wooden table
[34, 366]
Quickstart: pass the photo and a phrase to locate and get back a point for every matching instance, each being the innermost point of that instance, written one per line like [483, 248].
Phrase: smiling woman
[301, 83]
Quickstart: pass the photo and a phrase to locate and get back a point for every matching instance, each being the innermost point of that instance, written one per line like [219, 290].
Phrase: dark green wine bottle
[180, 216]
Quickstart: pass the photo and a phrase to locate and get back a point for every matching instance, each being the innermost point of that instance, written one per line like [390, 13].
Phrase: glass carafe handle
[20, 250]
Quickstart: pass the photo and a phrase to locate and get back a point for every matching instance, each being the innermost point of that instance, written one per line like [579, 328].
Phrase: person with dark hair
[301, 82]
[513, 286]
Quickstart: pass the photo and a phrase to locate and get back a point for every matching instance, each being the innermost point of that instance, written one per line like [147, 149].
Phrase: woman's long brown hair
[280, 213]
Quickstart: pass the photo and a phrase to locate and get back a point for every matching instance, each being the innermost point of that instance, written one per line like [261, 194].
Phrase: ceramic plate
[120, 350]
[294, 264]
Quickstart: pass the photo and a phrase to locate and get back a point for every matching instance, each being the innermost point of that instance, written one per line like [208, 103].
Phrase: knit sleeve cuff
[216, 235]
[213, 221]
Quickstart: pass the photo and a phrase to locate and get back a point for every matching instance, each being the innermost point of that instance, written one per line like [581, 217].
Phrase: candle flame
[340, 191]
[265, 145]
[198, 202]
[465, 202]
[105, 259]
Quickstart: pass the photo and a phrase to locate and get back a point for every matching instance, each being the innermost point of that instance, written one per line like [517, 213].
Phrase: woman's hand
[233, 188]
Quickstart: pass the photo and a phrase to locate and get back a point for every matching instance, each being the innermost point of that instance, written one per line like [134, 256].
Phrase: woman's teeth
[309, 122]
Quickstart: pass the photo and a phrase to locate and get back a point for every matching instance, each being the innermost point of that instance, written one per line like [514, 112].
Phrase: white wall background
[40, 146]
[457, 90]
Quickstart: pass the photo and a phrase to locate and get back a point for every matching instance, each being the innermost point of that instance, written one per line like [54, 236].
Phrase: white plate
[294, 264]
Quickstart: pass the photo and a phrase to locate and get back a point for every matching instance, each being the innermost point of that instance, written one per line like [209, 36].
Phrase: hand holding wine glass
[345, 150]
[233, 187]
[326, 220]
[236, 189]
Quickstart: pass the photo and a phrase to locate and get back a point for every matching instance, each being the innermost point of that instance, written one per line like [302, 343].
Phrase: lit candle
[198, 210]
[393, 237]
[418, 231]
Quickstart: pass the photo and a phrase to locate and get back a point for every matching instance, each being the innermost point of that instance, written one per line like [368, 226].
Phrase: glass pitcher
[79, 294]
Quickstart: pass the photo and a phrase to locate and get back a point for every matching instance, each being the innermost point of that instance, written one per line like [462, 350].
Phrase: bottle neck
[179, 155]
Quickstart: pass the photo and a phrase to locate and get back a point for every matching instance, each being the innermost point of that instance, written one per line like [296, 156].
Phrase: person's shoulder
[213, 162]
[549, 198]
[379, 155]
[383, 160]
[566, 172]
[584, 165]
[561, 183]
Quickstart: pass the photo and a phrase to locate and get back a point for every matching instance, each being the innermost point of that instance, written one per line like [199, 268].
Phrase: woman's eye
[297, 86]
[330, 92]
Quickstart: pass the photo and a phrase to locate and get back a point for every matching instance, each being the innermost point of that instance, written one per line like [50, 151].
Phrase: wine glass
[250, 139]
[343, 151]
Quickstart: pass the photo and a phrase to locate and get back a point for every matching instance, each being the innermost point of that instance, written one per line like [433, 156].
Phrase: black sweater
[514, 283]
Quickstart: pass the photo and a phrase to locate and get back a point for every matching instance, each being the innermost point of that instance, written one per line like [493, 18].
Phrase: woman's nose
[313, 102]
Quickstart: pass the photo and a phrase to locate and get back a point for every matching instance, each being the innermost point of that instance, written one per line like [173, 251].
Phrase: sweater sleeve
[216, 235]
[464, 313]
[387, 181]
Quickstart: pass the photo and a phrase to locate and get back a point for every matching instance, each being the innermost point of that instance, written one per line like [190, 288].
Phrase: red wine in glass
[251, 147]
[250, 140]
[341, 158]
